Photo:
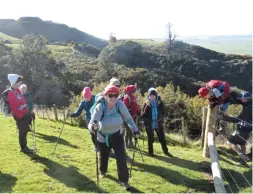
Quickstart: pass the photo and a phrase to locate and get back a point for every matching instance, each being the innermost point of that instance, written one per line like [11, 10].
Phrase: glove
[213, 104]
[137, 134]
[245, 124]
[94, 126]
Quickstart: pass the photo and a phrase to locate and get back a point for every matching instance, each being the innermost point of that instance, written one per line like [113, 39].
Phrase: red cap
[130, 89]
[111, 89]
[203, 92]
[87, 92]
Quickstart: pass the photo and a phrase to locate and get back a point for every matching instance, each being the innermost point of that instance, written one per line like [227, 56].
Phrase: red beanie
[130, 89]
[203, 92]
[111, 89]
[87, 92]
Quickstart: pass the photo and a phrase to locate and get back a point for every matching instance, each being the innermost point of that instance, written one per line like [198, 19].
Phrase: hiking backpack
[4, 104]
[99, 98]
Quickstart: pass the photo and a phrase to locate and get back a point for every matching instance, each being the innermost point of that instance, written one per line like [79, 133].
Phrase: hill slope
[28, 25]
[73, 169]
[189, 63]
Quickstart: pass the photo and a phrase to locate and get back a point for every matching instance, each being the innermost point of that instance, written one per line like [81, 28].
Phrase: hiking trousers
[23, 128]
[161, 137]
[116, 142]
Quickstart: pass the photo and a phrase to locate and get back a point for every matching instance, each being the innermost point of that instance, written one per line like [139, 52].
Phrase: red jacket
[223, 86]
[130, 102]
[17, 103]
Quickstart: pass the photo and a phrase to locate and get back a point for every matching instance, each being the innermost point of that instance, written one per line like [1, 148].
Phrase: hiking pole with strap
[61, 131]
[96, 155]
[140, 151]
[33, 135]
[135, 147]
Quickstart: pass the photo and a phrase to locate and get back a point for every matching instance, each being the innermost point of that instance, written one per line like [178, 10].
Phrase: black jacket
[146, 111]
[245, 115]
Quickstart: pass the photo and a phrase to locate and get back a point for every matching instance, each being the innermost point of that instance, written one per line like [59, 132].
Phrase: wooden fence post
[210, 127]
[204, 115]
[41, 106]
[47, 113]
[63, 110]
[55, 112]
[184, 129]
[216, 171]
[36, 110]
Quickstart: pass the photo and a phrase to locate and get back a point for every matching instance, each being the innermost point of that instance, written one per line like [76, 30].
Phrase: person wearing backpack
[129, 100]
[217, 93]
[107, 117]
[244, 126]
[28, 99]
[152, 113]
[19, 110]
[86, 105]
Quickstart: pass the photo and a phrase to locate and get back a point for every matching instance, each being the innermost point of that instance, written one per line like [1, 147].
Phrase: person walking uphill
[19, 110]
[152, 114]
[107, 118]
[129, 100]
[86, 104]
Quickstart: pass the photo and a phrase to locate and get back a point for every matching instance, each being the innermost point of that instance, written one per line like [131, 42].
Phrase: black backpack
[4, 104]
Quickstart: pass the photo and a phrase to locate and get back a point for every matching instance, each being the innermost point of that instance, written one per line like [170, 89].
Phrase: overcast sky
[139, 18]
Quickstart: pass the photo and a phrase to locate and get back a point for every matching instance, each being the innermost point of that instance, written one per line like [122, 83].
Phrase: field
[73, 169]
[226, 44]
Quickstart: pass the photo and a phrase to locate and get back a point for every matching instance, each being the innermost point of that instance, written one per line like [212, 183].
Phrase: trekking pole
[97, 156]
[135, 147]
[140, 151]
[60, 132]
[33, 135]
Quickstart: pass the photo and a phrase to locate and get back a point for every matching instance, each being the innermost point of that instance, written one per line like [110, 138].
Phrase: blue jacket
[86, 106]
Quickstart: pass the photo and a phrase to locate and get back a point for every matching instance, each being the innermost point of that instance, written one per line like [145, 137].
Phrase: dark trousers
[93, 139]
[116, 142]
[23, 128]
[161, 136]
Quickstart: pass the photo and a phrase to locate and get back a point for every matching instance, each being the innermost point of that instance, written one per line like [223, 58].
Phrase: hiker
[28, 98]
[217, 93]
[19, 110]
[129, 100]
[244, 126]
[152, 113]
[86, 105]
[114, 81]
[107, 118]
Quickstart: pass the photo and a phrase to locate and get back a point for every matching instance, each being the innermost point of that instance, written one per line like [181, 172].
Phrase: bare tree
[112, 38]
[171, 35]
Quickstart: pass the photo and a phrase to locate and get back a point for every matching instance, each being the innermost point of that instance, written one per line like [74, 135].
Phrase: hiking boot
[125, 185]
[168, 154]
[26, 150]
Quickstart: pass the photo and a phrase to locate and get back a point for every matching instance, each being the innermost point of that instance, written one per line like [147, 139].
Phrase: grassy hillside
[72, 168]
[8, 39]
[28, 25]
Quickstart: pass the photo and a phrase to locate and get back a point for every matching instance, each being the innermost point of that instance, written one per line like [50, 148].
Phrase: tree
[171, 35]
[112, 38]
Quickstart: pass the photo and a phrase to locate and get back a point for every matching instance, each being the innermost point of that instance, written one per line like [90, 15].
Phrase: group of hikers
[111, 118]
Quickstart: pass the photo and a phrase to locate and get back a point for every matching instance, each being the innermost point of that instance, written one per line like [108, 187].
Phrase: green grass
[73, 168]
[10, 38]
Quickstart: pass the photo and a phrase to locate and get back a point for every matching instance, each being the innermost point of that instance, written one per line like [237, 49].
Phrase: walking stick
[135, 147]
[97, 156]
[61, 131]
[33, 135]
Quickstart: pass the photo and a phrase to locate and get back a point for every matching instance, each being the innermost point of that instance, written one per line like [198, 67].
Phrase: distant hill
[54, 32]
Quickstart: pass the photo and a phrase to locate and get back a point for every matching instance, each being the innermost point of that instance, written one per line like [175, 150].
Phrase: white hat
[13, 78]
[114, 81]
[150, 89]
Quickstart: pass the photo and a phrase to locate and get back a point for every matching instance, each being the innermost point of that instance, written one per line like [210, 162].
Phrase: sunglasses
[113, 95]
